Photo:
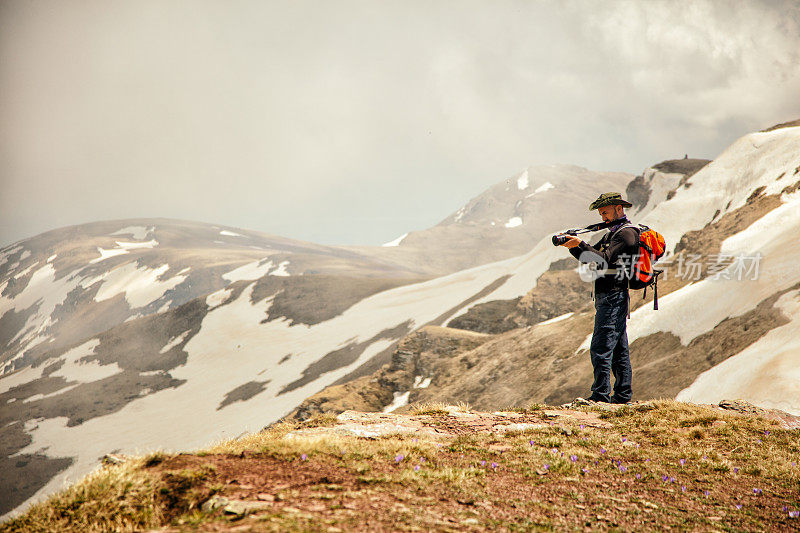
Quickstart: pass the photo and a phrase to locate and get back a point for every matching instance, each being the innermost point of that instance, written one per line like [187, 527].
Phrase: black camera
[560, 239]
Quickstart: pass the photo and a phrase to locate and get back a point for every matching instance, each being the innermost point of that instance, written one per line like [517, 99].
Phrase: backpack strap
[639, 230]
[656, 273]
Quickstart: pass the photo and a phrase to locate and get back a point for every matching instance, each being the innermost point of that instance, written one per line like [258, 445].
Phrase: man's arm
[623, 241]
[580, 247]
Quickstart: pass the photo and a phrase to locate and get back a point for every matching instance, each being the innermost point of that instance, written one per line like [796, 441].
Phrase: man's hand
[572, 242]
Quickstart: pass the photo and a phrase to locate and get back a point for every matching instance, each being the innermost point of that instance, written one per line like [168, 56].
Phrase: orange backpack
[651, 249]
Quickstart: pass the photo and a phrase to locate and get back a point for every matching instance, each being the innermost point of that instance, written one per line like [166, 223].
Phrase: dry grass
[676, 465]
[114, 498]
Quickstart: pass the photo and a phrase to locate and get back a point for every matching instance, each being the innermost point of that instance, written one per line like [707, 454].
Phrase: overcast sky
[354, 122]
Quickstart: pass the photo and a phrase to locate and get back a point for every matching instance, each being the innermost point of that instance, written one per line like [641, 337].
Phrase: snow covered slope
[178, 370]
[69, 284]
[726, 330]
[142, 334]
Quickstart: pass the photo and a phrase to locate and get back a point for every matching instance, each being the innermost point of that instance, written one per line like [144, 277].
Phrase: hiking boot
[594, 399]
[614, 399]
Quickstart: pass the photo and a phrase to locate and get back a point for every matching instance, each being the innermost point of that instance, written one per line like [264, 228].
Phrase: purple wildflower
[664, 477]
[766, 432]
[785, 508]
[757, 492]
[584, 470]
[416, 468]
[530, 442]
[794, 514]
[683, 462]
[706, 493]
[638, 476]
[582, 426]
[758, 441]
[624, 439]
[422, 459]
[602, 450]
[736, 470]
[738, 506]
[547, 467]
[483, 463]
[494, 465]
[595, 463]
[683, 488]
[303, 457]
[399, 458]
[573, 458]
[622, 469]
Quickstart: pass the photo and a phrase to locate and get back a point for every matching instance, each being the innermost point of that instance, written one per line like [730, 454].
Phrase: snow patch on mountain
[660, 185]
[137, 232]
[544, 187]
[522, 181]
[513, 222]
[400, 400]
[25, 271]
[122, 248]
[281, 270]
[8, 253]
[249, 272]
[230, 233]
[140, 285]
[553, 320]
[218, 298]
[84, 371]
[725, 184]
[398, 240]
[760, 252]
[174, 342]
[766, 373]
[107, 253]
[44, 291]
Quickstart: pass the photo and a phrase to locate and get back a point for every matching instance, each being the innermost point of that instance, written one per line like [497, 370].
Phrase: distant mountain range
[132, 335]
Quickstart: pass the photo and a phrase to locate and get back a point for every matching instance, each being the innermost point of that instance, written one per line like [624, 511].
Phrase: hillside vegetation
[653, 465]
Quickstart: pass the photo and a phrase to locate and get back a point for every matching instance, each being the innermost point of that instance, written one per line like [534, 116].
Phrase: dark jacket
[615, 250]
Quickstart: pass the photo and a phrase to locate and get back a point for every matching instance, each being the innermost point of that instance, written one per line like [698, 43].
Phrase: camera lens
[558, 240]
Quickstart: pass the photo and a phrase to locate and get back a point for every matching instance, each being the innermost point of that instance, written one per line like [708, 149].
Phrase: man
[614, 253]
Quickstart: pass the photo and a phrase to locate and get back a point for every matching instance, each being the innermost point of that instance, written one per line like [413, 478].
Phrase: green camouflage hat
[609, 198]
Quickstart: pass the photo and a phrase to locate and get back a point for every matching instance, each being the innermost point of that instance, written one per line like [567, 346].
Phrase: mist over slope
[506, 220]
[727, 324]
[264, 326]
[151, 333]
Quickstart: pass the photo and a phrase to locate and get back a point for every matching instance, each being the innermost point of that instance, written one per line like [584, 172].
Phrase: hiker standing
[613, 254]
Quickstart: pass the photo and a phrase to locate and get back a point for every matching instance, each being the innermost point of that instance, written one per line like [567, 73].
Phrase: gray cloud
[353, 122]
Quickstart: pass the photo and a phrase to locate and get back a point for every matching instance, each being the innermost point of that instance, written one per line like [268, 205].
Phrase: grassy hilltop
[650, 466]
